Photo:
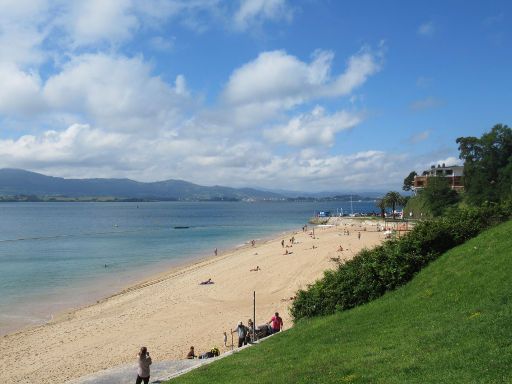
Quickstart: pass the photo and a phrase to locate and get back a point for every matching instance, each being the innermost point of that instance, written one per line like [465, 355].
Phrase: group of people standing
[244, 332]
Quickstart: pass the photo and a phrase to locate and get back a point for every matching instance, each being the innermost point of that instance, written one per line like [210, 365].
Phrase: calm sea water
[53, 255]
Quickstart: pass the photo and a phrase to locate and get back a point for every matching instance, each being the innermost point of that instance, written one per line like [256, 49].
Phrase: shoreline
[111, 289]
[169, 311]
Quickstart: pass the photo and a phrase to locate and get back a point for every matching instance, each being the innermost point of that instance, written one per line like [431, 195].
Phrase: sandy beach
[170, 312]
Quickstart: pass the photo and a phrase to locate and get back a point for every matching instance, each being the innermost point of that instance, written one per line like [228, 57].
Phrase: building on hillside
[453, 173]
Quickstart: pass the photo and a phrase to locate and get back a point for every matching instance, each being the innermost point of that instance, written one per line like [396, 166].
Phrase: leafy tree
[409, 181]
[487, 165]
[392, 199]
[438, 195]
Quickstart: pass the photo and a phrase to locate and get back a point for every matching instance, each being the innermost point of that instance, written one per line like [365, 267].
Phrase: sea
[58, 256]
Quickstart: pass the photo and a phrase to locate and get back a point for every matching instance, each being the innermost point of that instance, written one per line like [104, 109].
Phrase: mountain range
[18, 184]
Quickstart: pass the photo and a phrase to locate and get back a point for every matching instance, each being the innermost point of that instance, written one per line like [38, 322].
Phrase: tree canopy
[487, 165]
[409, 181]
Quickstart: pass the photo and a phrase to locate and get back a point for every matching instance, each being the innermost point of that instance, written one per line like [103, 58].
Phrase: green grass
[451, 324]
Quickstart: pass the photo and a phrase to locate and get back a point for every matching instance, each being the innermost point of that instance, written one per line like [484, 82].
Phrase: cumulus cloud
[256, 11]
[93, 21]
[116, 92]
[84, 151]
[277, 81]
[315, 128]
[19, 91]
[22, 31]
[95, 111]
[77, 145]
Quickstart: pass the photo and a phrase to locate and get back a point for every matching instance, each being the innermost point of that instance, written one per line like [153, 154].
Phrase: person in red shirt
[277, 323]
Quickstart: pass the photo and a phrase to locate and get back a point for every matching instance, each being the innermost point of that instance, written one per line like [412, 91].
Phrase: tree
[381, 204]
[438, 195]
[409, 181]
[487, 165]
[392, 199]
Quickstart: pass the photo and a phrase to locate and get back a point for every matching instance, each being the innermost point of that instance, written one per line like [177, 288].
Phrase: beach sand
[171, 312]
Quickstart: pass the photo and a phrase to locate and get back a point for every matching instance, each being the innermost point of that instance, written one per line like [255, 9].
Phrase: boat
[181, 227]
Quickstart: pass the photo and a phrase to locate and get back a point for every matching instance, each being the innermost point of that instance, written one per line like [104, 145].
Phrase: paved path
[160, 371]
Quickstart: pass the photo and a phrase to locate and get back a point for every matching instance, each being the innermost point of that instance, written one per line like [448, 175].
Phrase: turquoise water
[55, 256]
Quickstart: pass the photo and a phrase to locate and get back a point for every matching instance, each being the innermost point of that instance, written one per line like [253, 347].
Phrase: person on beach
[282, 243]
[250, 326]
[215, 252]
[225, 339]
[209, 281]
[144, 363]
[276, 322]
[359, 235]
[191, 354]
[340, 249]
[241, 329]
[255, 269]
[253, 243]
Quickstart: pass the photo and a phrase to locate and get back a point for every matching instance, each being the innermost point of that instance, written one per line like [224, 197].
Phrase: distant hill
[16, 182]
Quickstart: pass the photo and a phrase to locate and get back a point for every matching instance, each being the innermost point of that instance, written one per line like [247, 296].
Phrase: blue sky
[305, 95]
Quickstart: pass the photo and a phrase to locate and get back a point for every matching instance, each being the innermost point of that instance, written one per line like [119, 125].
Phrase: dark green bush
[372, 272]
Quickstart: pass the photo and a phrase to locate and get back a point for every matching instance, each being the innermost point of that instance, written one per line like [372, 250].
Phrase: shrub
[372, 272]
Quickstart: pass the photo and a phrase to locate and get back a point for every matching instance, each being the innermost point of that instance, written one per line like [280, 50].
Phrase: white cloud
[84, 151]
[427, 29]
[276, 81]
[93, 21]
[112, 115]
[448, 161]
[253, 12]
[78, 145]
[311, 129]
[116, 92]
[22, 30]
[19, 91]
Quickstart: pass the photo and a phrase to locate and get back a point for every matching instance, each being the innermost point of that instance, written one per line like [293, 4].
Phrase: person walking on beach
[359, 235]
[241, 329]
[225, 339]
[215, 252]
[144, 363]
[276, 322]
[282, 243]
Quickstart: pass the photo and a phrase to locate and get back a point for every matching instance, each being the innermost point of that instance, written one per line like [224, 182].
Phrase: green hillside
[451, 324]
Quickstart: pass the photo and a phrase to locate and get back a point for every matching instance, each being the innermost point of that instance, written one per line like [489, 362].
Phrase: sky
[311, 95]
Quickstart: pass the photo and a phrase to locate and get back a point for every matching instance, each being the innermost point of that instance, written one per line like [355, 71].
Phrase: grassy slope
[451, 324]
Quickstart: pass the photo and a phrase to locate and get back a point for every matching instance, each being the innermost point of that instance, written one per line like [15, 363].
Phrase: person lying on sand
[287, 253]
[209, 281]
[255, 269]
[340, 249]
